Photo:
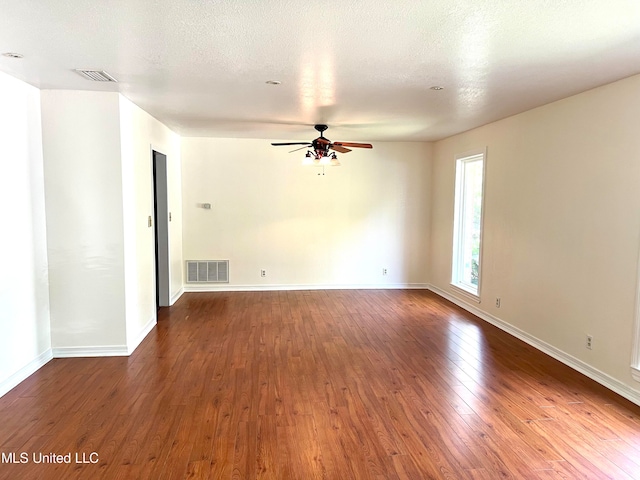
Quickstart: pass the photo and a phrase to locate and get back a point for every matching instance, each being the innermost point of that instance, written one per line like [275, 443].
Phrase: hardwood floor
[384, 384]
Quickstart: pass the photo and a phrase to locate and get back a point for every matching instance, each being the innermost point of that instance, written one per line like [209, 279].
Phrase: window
[467, 226]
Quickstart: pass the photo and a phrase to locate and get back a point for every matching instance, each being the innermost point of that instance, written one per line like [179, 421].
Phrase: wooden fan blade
[293, 143]
[339, 148]
[355, 145]
[322, 140]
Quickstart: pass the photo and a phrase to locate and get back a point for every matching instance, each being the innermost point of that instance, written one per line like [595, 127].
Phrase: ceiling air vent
[96, 76]
[208, 271]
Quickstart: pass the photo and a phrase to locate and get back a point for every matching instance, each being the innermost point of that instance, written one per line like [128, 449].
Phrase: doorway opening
[161, 231]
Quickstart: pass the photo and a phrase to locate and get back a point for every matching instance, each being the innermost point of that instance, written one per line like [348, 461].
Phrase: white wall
[84, 207]
[561, 226]
[270, 212]
[99, 191]
[25, 342]
[139, 133]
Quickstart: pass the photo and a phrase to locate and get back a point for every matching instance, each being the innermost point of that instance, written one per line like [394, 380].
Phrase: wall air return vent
[207, 271]
[95, 75]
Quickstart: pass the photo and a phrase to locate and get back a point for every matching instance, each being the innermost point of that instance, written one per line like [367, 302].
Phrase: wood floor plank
[339, 384]
[153, 454]
[578, 456]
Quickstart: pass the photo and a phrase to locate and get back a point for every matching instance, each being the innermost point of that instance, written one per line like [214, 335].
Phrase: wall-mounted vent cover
[96, 76]
[208, 271]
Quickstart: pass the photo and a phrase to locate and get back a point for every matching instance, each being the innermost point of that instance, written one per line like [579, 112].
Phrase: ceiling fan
[321, 146]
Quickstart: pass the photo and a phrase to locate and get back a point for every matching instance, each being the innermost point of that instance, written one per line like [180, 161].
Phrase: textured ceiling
[364, 67]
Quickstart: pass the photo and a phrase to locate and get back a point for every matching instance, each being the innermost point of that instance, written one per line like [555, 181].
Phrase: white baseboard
[13, 380]
[174, 298]
[142, 335]
[97, 351]
[569, 360]
[265, 288]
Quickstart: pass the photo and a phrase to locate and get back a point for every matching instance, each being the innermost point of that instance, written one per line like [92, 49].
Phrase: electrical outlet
[589, 343]
[263, 273]
[497, 302]
[384, 271]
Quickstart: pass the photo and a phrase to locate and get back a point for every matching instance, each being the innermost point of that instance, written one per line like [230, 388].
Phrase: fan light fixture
[308, 159]
[315, 158]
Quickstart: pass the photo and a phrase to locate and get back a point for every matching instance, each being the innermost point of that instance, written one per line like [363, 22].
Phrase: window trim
[461, 158]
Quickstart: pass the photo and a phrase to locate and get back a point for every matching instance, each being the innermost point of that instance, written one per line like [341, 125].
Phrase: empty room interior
[340, 240]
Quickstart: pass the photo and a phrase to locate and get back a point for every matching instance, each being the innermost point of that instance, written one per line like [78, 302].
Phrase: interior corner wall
[25, 342]
[561, 224]
[307, 230]
[174, 186]
[84, 208]
[140, 133]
